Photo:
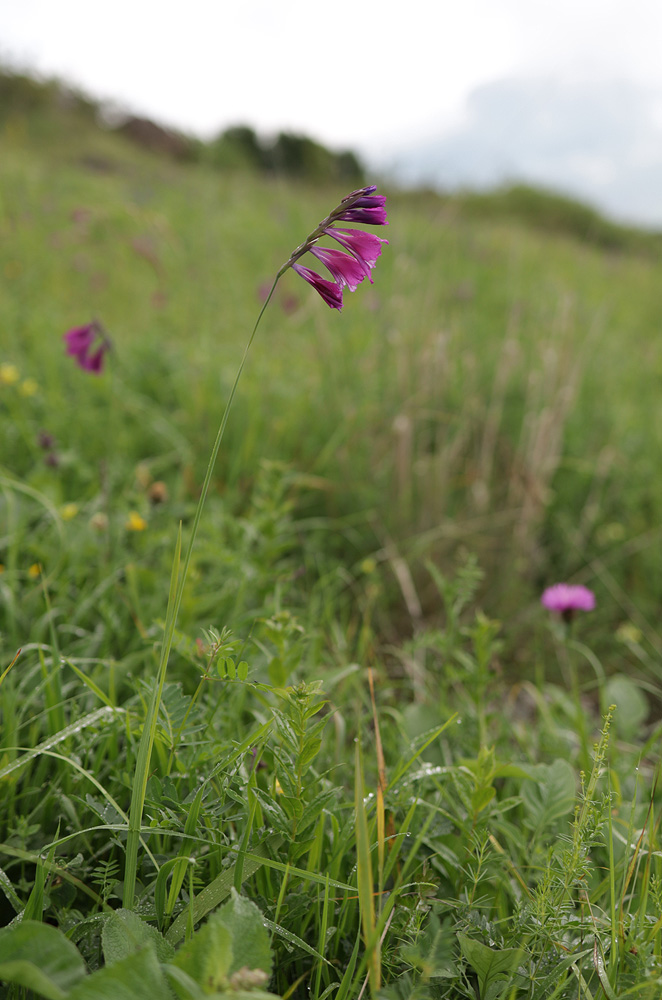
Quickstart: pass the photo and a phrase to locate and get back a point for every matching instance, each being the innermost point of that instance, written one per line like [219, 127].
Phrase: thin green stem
[177, 584]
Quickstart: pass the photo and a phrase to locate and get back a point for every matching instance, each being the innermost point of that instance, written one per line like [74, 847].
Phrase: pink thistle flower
[346, 268]
[566, 599]
[80, 341]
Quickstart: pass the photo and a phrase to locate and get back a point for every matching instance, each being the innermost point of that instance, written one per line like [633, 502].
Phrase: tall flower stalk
[348, 267]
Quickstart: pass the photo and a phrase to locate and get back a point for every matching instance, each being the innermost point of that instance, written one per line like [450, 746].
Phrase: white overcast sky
[343, 71]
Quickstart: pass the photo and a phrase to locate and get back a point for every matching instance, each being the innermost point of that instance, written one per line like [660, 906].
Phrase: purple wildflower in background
[566, 599]
[80, 341]
[346, 268]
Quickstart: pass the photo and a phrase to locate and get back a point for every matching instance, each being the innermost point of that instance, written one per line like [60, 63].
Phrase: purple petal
[564, 597]
[330, 291]
[94, 362]
[372, 216]
[346, 269]
[366, 247]
[372, 201]
[79, 340]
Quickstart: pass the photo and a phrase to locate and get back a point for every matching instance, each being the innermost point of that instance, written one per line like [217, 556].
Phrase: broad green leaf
[124, 933]
[251, 947]
[136, 977]
[632, 708]
[489, 964]
[39, 957]
[207, 956]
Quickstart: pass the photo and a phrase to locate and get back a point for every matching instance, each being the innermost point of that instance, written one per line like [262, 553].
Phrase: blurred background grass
[493, 392]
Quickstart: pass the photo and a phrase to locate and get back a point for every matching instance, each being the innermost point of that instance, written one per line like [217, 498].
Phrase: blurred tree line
[236, 148]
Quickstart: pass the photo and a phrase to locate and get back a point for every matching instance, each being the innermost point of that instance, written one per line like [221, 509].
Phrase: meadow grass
[420, 800]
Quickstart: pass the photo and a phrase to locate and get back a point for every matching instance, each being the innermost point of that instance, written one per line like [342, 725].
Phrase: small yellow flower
[28, 387]
[9, 374]
[279, 787]
[627, 632]
[68, 511]
[135, 522]
[35, 571]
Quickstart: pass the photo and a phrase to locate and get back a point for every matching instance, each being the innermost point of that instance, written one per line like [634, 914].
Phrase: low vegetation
[367, 761]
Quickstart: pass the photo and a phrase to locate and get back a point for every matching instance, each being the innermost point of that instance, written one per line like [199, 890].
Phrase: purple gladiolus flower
[374, 216]
[331, 291]
[566, 599]
[347, 270]
[80, 341]
[363, 248]
[366, 247]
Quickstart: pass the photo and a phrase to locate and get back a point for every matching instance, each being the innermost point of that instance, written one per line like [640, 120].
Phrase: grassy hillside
[393, 753]
[494, 389]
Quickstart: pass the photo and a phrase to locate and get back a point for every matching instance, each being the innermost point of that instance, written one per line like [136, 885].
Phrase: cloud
[599, 140]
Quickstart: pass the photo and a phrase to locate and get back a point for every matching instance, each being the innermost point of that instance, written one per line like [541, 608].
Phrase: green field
[361, 759]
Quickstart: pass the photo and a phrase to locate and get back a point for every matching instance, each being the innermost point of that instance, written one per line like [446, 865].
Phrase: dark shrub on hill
[238, 146]
[156, 138]
[300, 156]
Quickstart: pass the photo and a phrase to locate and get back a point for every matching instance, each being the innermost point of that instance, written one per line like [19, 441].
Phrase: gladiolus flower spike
[356, 260]
[80, 342]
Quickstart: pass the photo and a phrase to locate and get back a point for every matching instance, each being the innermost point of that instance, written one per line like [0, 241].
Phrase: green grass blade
[147, 740]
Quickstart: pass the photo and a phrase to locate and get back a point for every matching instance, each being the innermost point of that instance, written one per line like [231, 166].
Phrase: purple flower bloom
[367, 208]
[346, 268]
[366, 247]
[375, 216]
[331, 291]
[565, 599]
[80, 341]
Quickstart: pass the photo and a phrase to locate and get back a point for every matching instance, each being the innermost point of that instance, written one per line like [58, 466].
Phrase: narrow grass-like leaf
[213, 894]
[147, 740]
[364, 877]
[293, 938]
[321, 939]
[179, 870]
[88, 682]
[75, 727]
